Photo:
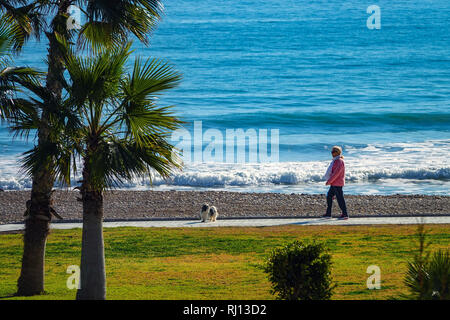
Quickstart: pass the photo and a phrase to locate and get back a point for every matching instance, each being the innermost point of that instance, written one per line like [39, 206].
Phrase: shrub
[300, 271]
[427, 278]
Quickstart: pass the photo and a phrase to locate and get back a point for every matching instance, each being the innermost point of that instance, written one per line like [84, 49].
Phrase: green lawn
[220, 263]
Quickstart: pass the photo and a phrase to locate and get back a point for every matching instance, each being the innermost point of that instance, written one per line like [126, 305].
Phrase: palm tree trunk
[92, 269]
[37, 226]
[31, 280]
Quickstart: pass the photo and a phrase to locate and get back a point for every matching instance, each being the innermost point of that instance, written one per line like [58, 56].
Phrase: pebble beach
[147, 205]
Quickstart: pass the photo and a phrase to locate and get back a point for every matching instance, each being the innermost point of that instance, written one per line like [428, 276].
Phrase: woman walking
[335, 177]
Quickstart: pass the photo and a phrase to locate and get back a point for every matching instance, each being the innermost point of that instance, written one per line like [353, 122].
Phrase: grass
[221, 263]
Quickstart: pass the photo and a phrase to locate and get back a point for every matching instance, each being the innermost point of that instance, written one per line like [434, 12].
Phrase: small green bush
[300, 271]
[428, 279]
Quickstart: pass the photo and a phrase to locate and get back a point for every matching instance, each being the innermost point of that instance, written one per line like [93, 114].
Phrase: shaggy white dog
[208, 213]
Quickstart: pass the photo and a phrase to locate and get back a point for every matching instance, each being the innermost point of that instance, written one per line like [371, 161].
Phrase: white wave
[10, 178]
[416, 161]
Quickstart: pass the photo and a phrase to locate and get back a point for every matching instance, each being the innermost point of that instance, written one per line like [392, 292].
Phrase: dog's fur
[208, 213]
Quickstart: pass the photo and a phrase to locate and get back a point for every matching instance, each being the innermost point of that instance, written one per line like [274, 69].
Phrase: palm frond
[26, 20]
[98, 35]
[12, 78]
[95, 79]
[116, 22]
[137, 111]
[54, 155]
[117, 160]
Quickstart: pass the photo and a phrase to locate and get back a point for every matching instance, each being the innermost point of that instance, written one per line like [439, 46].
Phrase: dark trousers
[336, 191]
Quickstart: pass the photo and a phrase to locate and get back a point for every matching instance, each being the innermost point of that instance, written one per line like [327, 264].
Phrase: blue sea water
[314, 71]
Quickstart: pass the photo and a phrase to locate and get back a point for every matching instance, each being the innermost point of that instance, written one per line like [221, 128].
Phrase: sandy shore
[186, 204]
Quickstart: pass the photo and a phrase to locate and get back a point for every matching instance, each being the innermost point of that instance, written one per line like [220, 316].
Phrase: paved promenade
[248, 222]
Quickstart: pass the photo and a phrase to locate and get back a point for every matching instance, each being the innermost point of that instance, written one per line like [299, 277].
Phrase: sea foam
[372, 163]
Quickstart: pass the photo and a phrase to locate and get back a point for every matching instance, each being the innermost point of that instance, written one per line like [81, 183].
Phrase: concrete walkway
[249, 222]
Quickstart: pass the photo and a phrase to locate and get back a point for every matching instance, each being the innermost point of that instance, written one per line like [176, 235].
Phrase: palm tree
[16, 106]
[106, 25]
[123, 135]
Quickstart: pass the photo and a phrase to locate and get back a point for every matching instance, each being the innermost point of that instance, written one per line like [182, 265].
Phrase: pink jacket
[337, 177]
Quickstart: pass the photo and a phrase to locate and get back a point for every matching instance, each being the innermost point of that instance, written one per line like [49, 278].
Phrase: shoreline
[120, 205]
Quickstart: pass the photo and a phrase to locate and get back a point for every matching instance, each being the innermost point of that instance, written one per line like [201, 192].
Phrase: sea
[370, 76]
